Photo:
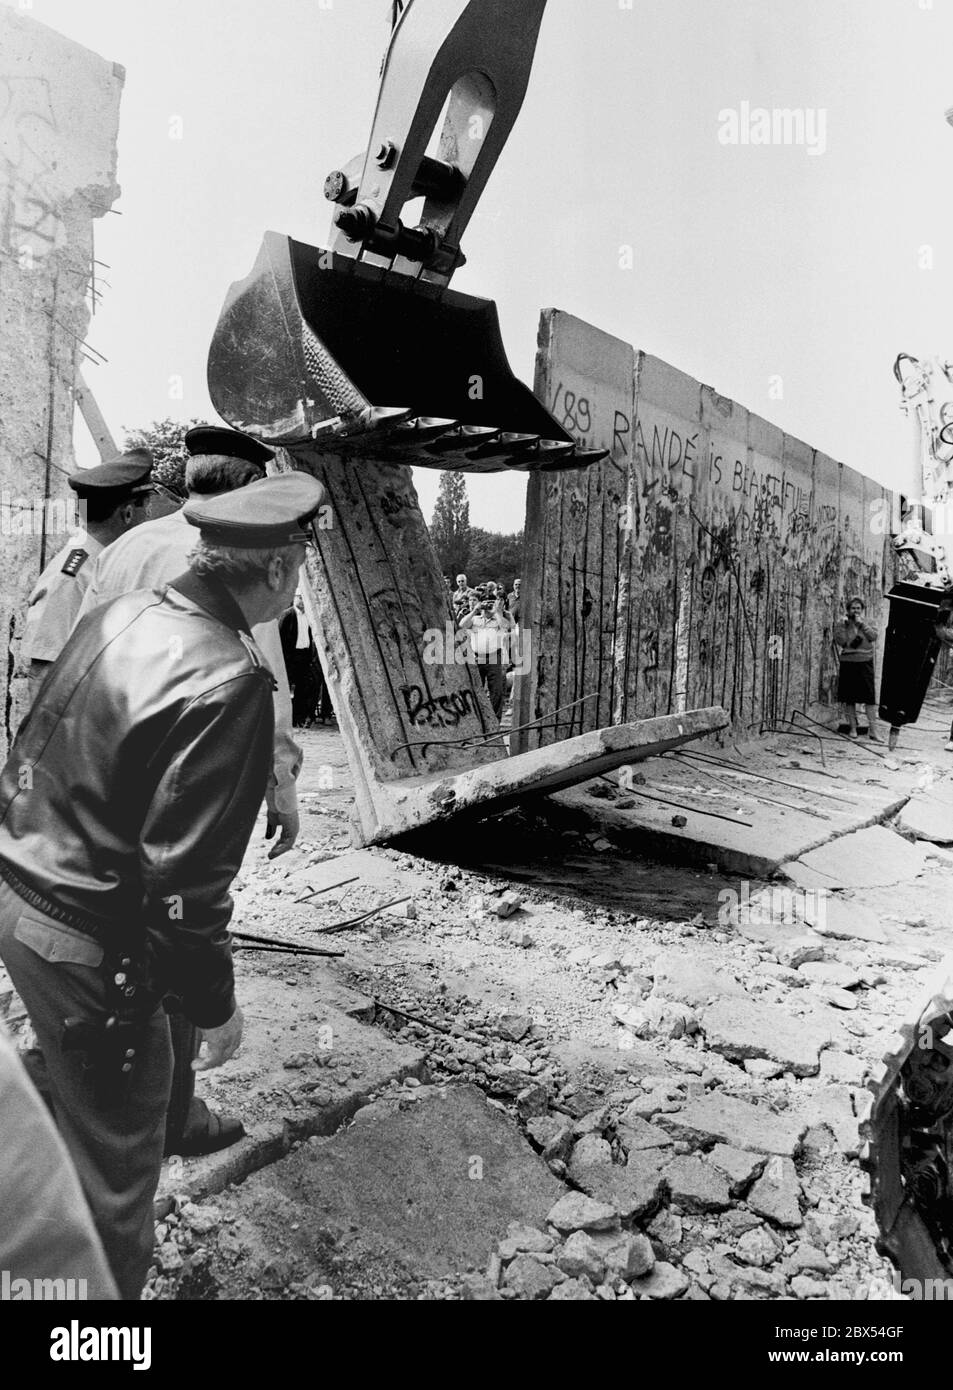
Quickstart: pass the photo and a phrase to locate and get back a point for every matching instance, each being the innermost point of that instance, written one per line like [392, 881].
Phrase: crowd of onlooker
[491, 617]
[464, 599]
[488, 612]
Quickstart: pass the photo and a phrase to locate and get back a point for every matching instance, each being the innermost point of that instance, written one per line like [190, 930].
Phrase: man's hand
[289, 823]
[220, 1043]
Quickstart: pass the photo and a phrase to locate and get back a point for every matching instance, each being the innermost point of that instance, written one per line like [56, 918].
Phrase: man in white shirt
[489, 626]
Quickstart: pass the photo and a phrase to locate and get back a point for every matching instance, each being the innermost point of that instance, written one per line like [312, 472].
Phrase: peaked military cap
[215, 439]
[125, 476]
[265, 514]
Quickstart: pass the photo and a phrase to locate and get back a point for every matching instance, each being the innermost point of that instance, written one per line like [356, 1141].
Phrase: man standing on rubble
[126, 805]
[220, 460]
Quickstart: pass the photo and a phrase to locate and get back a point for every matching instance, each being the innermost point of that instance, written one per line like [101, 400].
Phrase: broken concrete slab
[721, 1119]
[843, 1067]
[627, 1256]
[838, 917]
[774, 835]
[832, 1107]
[344, 1062]
[426, 1186]
[697, 1186]
[739, 1029]
[837, 997]
[929, 813]
[693, 980]
[740, 1166]
[871, 858]
[553, 1134]
[591, 1151]
[576, 1211]
[636, 1133]
[634, 1191]
[410, 803]
[759, 1246]
[529, 1279]
[665, 1281]
[794, 952]
[830, 972]
[776, 1194]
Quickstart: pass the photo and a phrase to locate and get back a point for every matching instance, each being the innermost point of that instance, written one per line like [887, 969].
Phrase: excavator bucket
[310, 348]
[364, 346]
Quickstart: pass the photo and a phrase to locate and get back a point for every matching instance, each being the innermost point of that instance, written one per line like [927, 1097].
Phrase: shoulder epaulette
[258, 660]
[75, 561]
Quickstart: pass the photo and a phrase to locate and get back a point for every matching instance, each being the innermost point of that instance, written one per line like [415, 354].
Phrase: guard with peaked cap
[113, 499]
[149, 748]
[221, 463]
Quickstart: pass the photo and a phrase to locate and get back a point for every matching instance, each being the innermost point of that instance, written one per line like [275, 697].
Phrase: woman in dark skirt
[855, 683]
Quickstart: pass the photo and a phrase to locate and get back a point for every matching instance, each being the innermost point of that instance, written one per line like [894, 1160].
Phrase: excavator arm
[363, 345]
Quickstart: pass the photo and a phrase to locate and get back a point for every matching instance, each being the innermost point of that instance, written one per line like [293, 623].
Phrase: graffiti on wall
[718, 551]
[30, 225]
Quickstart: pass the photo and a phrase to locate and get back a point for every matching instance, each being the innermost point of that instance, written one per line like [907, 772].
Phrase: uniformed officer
[126, 806]
[220, 461]
[114, 497]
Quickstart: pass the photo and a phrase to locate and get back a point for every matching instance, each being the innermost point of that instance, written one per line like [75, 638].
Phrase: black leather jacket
[131, 791]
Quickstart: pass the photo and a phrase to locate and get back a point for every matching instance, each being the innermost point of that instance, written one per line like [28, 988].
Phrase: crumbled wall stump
[59, 116]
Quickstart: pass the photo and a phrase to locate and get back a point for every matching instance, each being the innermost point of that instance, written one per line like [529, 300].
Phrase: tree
[450, 526]
[165, 439]
[495, 556]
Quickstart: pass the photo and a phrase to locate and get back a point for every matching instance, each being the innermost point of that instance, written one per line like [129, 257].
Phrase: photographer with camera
[489, 625]
[855, 683]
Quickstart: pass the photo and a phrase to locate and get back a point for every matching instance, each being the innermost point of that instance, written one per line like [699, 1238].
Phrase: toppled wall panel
[703, 563]
[59, 116]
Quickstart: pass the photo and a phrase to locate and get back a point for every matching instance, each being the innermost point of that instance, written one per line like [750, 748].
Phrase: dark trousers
[186, 1111]
[303, 689]
[115, 1141]
[493, 676]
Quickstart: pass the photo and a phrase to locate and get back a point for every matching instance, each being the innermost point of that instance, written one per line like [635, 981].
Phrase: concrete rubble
[448, 1112]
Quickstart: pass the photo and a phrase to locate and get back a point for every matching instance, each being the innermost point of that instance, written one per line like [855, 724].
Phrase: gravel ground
[599, 1031]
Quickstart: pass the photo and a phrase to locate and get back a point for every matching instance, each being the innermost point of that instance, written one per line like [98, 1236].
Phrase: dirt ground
[601, 939]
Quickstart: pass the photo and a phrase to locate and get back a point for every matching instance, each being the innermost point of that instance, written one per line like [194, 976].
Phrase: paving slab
[372, 868]
[843, 920]
[740, 1029]
[929, 813]
[428, 1185]
[307, 1062]
[695, 979]
[721, 1119]
[729, 818]
[874, 857]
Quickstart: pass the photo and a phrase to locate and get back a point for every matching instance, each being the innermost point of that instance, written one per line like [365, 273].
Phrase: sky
[748, 262]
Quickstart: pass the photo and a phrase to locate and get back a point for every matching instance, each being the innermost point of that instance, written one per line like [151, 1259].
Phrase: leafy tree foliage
[166, 441]
[450, 526]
